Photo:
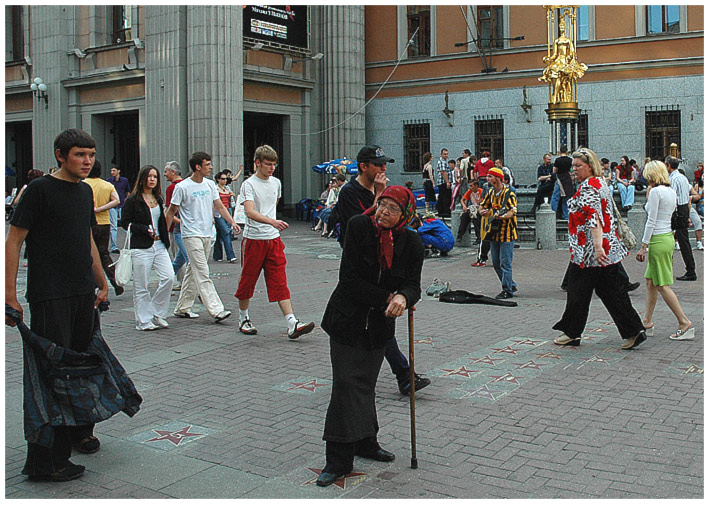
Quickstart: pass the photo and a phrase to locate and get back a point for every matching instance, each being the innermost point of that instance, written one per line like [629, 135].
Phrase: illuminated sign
[284, 24]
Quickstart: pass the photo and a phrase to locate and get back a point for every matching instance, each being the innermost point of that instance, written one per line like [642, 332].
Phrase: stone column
[166, 85]
[215, 84]
[636, 221]
[545, 227]
[341, 78]
[52, 35]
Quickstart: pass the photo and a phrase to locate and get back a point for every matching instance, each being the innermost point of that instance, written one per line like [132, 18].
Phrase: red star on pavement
[486, 360]
[508, 377]
[459, 371]
[550, 355]
[175, 437]
[308, 386]
[527, 341]
[531, 364]
[507, 350]
[341, 482]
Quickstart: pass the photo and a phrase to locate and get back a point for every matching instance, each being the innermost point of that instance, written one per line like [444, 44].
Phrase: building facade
[155, 83]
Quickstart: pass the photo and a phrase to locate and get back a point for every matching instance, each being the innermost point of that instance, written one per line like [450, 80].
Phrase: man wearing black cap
[355, 197]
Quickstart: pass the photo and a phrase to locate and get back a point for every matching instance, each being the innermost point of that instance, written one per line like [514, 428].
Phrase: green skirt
[659, 259]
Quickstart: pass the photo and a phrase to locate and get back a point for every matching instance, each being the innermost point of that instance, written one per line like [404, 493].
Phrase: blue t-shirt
[122, 188]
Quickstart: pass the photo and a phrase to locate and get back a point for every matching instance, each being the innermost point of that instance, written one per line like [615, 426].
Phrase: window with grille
[490, 136]
[122, 23]
[663, 126]
[14, 33]
[490, 30]
[419, 16]
[417, 141]
[662, 18]
[582, 126]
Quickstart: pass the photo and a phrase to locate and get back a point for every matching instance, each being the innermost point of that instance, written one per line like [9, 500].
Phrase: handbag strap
[126, 242]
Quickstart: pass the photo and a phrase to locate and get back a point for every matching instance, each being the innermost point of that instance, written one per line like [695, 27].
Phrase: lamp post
[39, 89]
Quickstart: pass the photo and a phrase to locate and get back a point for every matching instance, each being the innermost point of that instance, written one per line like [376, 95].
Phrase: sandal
[88, 445]
[649, 330]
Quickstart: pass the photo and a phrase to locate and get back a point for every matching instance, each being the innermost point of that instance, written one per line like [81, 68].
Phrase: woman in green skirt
[658, 243]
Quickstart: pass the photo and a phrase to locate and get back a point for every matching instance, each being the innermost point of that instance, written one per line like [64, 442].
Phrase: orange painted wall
[268, 93]
[607, 21]
[450, 28]
[695, 17]
[13, 73]
[15, 103]
[380, 33]
[105, 94]
[530, 21]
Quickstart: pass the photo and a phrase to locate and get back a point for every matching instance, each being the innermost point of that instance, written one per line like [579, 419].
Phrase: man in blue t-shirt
[122, 188]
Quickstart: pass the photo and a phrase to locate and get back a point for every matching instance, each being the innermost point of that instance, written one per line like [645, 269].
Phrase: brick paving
[508, 415]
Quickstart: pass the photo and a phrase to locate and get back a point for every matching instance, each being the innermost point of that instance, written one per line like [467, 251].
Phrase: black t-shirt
[563, 165]
[58, 215]
[352, 200]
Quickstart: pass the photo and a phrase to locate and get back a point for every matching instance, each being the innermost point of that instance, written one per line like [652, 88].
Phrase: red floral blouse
[593, 200]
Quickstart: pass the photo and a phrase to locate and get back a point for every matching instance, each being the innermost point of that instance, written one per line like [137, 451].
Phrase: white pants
[197, 278]
[144, 305]
[696, 220]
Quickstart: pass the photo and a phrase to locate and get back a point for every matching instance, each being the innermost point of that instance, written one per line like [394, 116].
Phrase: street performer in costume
[380, 278]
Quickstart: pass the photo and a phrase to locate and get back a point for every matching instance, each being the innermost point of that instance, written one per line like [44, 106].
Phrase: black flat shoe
[687, 277]
[327, 478]
[378, 455]
[632, 286]
[66, 474]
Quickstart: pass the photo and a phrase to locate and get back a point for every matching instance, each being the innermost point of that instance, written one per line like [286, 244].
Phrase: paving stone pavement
[508, 414]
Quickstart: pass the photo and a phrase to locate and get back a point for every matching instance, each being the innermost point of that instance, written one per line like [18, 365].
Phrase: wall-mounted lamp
[288, 61]
[39, 89]
[257, 46]
[448, 112]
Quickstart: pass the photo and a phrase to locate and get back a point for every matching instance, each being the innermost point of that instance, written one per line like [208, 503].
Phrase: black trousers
[444, 200]
[68, 322]
[483, 250]
[102, 234]
[464, 224]
[682, 238]
[608, 285]
[545, 189]
[625, 280]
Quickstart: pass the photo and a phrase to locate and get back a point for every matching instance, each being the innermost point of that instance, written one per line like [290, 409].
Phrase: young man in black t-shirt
[54, 219]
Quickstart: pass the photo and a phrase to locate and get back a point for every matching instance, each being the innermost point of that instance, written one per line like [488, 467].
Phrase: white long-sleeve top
[661, 203]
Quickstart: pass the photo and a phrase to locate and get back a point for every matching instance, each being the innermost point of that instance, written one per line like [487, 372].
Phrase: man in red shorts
[262, 248]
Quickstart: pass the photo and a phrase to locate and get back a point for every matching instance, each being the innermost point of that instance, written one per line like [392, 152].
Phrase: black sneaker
[419, 383]
[632, 286]
[69, 472]
[504, 295]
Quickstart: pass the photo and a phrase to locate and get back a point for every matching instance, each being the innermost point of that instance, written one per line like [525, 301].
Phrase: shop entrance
[262, 129]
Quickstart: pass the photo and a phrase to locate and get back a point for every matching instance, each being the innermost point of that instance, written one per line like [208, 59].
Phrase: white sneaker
[222, 315]
[699, 245]
[186, 314]
[676, 246]
[149, 327]
[300, 329]
[247, 328]
[159, 321]
[176, 284]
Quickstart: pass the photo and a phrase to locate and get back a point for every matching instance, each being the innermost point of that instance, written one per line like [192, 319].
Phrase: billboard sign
[284, 24]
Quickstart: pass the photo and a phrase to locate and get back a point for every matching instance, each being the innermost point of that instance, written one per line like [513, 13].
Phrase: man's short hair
[563, 149]
[451, 162]
[173, 166]
[466, 152]
[341, 177]
[672, 162]
[95, 170]
[444, 149]
[605, 160]
[485, 154]
[198, 158]
[265, 152]
[72, 137]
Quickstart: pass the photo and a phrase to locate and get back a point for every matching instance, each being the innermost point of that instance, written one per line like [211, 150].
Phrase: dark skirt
[352, 414]
[429, 192]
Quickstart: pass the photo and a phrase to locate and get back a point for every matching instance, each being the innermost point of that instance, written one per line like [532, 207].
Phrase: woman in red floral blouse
[596, 252]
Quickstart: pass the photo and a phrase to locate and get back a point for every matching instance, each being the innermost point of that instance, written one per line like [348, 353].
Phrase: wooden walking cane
[412, 387]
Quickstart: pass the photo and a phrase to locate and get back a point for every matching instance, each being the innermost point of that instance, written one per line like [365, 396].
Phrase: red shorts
[266, 255]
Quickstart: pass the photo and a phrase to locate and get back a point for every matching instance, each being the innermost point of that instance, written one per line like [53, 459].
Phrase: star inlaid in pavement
[507, 350]
[692, 369]
[462, 371]
[508, 377]
[426, 341]
[341, 482]
[486, 360]
[175, 437]
[549, 354]
[596, 359]
[483, 392]
[528, 341]
[531, 364]
[308, 386]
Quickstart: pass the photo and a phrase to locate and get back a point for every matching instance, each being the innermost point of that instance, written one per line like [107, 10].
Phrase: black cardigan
[137, 213]
[355, 312]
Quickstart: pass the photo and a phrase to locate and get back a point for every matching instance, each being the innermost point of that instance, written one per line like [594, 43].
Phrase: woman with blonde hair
[596, 253]
[658, 244]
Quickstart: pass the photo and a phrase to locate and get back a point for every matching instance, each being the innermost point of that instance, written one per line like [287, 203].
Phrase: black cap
[373, 153]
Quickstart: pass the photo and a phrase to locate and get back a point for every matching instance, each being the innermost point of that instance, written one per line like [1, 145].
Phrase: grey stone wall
[616, 112]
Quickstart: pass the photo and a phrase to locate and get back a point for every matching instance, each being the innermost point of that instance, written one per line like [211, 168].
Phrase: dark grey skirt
[352, 414]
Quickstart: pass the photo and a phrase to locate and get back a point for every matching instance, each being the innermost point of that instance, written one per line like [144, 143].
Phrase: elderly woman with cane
[380, 278]
[596, 253]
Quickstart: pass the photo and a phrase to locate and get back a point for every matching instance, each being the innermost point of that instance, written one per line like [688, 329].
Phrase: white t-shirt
[265, 195]
[196, 203]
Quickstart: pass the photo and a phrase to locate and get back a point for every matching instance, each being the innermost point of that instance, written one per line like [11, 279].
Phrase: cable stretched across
[401, 57]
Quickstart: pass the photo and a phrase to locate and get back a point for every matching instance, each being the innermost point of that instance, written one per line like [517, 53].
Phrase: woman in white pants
[149, 242]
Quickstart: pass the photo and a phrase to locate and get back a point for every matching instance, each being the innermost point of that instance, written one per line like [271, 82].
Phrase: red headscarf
[385, 236]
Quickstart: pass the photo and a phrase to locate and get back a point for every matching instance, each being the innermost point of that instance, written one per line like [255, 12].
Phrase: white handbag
[124, 263]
